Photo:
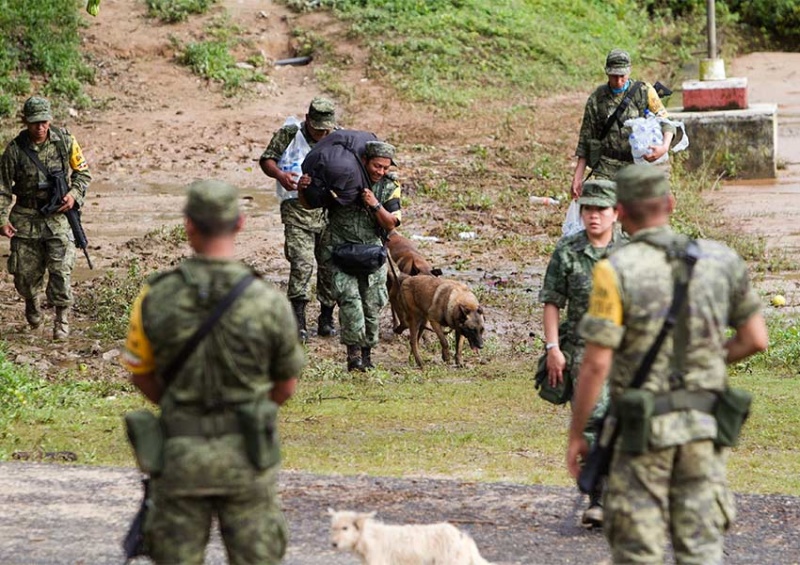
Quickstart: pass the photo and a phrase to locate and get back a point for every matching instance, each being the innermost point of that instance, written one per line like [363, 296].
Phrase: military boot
[366, 358]
[299, 307]
[325, 327]
[354, 358]
[33, 312]
[61, 324]
[593, 516]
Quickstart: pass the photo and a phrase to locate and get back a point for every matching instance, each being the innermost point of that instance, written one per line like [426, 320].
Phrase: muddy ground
[155, 127]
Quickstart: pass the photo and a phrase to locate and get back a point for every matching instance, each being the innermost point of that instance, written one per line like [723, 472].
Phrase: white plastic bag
[292, 159]
[573, 223]
[647, 131]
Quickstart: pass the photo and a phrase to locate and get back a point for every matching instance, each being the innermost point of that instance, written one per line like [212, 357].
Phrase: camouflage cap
[212, 202]
[379, 149]
[597, 192]
[321, 114]
[37, 109]
[618, 62]
[641, 182]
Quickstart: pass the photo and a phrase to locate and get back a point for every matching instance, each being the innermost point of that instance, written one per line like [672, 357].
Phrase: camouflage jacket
[356, 224]
[568, 279]
[21, 177]
[632, 293]
[291, 210]
[253, 344]
[603, 103]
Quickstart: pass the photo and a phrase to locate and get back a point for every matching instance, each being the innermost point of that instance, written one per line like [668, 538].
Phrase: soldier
[677, 482]
[567, 283]
[305, 231]
[613, 151]
[41, 243]
[214, 464]
[361, 297]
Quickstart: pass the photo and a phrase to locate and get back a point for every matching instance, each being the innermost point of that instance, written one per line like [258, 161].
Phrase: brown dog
[407, 257]
[443, 303]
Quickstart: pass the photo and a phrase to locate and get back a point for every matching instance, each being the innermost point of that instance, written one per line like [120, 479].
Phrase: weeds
[173, 11]
[213, 59]
[109, 305]
[40, 39]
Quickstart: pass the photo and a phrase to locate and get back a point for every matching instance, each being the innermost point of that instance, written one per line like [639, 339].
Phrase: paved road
[57, 514]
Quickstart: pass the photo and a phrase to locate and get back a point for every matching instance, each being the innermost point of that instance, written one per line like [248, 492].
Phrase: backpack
[334, 165]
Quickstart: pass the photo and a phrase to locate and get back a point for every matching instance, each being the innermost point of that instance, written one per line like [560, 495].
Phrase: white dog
[377, 543]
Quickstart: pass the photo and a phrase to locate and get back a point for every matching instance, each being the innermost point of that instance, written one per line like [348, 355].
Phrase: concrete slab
[739, 143]
[726, 94]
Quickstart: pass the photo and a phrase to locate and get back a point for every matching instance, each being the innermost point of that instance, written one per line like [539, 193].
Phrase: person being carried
[603, 143]
[567, 284]
[305, 231]
[361, 297]
[218, 408]
[667, 473]
[41, 244]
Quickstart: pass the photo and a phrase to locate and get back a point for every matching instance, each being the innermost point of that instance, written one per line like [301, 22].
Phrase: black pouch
[594, 153]
[731, 412]
[257, 424]
[635, 410]
[146, 435]
[560, 394]
[359, 258]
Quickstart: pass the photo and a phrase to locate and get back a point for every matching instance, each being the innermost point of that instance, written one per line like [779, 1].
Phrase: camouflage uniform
[603, 102]
[41, 244]
[679, 485]
[206, 475]
[361, 298]
[305, 231]
[568, 282]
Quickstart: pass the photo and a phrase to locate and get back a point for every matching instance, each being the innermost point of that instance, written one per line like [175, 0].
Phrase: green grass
[482, 423]
[456, 53]
[214, 59]
[41, 40]
[173, 11]
[70, 411]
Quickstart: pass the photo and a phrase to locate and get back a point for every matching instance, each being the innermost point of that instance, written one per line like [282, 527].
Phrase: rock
[110, 354]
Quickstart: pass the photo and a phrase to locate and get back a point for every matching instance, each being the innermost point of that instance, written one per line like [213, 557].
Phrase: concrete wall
[739, 143]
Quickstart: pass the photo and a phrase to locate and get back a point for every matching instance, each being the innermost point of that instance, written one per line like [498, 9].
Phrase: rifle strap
[623, 105]
[35, 158]
[191, 344]
[689, 256]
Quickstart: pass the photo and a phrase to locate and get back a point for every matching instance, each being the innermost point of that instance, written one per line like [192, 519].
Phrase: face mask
[623, 89]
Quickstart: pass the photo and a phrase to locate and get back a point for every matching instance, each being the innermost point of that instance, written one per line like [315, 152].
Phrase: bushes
[40, 38]
[778, 19]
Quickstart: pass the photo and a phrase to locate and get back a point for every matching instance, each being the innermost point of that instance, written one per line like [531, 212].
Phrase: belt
[625, 156]
[212, 425]
[678, 400]
[31, 202]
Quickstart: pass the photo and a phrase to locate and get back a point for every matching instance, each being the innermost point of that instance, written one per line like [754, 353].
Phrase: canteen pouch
[635, 410]
[359, 258]
[594, 153]
[560, 394]
[731, 412]
[146, 435]
[257, 424]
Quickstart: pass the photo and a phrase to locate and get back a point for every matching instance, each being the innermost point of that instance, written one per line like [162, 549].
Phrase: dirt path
[156, 129]
[53, 515]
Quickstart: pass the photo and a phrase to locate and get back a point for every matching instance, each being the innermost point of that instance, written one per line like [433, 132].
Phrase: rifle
[57, 183]
[661, 90]
[133, 544]
[60, 188]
